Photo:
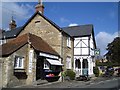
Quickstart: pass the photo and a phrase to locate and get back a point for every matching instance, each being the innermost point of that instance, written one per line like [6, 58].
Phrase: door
[40, 68]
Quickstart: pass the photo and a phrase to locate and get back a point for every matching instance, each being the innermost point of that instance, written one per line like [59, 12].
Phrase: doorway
[40, 68]
[85, 67]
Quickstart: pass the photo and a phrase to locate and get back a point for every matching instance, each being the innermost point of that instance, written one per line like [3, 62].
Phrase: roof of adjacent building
[11, 34]
[33, 40]
[80, 30]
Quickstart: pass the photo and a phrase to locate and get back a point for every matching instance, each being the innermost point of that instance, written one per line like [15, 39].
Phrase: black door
[39, 68]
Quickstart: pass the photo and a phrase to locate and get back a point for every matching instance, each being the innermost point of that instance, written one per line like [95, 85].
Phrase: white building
[84, 46]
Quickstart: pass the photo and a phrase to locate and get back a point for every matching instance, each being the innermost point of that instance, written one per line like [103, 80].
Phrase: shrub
[70, 74]
[96, 71]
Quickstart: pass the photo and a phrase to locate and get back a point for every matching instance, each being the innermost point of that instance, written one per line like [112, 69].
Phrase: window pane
[18, 62]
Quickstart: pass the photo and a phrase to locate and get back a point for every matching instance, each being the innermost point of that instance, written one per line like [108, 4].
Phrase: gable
[42, 28]
[14, 33]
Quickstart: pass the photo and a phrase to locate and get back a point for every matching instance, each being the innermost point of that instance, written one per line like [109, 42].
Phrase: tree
[113, 54]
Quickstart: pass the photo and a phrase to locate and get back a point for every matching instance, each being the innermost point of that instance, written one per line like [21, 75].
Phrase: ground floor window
[77, 63]
[19, 62]
[68, 63]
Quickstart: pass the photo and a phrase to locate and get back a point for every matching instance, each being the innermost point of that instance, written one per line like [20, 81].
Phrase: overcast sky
[102, 15]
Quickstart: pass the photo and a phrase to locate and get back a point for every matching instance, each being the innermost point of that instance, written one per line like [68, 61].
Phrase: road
[97, 84]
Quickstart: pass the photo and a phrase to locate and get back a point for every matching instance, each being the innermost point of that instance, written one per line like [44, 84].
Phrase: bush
[70, 73]
[96, 71]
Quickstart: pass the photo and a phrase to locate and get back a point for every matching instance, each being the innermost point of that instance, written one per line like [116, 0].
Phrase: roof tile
[36, 42]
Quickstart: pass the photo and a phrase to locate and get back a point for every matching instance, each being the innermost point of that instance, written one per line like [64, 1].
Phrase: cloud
[73, 24]
[19, 11]
[64, 20]
[102, 40]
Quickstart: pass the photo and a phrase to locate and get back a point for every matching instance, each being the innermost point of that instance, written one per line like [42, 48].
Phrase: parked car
[109, 72]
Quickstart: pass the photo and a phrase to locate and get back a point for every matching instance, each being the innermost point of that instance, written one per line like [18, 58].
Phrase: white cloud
[73, 24]
[102, 40]
[64, 20]
[19, 11]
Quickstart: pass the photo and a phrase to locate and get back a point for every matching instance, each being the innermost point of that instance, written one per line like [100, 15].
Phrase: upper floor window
[19, 62]
[68, 42]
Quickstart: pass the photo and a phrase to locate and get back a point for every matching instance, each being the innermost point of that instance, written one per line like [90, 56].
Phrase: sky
[103, 15]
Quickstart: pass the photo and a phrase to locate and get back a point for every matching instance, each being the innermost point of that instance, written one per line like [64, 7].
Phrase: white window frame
[68, 42]
[68, 63]
[46, 65]
[19, 62]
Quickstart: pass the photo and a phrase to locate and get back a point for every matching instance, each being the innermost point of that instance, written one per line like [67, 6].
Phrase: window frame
[68, 42]
[19, 62]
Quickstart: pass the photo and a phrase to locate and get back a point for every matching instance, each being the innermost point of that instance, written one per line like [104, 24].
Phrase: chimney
[39, 7]
[12, 24]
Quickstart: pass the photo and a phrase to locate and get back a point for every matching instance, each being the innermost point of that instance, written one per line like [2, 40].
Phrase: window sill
[19, 70]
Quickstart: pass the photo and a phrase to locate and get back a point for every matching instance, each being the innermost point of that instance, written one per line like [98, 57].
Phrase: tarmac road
[100, 83]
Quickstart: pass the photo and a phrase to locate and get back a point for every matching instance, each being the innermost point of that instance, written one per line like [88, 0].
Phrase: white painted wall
[91, 45]
[80, 52]
[81, 46]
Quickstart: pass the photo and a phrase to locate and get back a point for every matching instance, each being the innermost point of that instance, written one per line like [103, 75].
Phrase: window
[19, 62]
[46, 65]
[68, 63]
[68, 42]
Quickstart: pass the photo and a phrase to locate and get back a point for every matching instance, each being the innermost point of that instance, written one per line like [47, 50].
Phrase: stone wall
[1, 64]
[58, 41]
[42, 28]
[9, 79]
[67, 51]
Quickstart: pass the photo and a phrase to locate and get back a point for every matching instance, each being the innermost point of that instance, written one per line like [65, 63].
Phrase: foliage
[70, 73]
[96, 71]
[113, 51]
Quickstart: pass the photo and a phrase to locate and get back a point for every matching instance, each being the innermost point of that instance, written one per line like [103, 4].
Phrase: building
[37, 27]
[41, 47]
[84, 47]
[25, 61]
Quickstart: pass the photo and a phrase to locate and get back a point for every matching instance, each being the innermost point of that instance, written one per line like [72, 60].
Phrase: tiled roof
[80, 30]
[36, 42]
[11, 34]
